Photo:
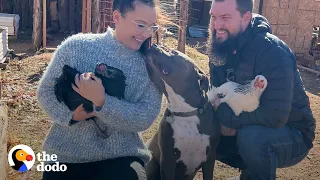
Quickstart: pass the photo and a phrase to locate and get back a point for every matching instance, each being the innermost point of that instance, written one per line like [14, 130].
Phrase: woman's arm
[47, 100]
[136, 117]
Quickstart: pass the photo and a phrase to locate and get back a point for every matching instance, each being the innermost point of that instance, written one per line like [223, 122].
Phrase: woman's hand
[92, 90]
[80, 114]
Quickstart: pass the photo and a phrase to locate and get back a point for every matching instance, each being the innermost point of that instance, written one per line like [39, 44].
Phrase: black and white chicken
[240, 98]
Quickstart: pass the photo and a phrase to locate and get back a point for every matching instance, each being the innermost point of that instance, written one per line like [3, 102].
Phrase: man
[280, 132]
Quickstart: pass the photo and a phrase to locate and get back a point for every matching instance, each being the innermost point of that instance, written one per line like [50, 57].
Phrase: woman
[117, 152]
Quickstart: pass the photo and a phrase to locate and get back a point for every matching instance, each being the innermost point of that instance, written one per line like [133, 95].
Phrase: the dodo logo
[21, 158]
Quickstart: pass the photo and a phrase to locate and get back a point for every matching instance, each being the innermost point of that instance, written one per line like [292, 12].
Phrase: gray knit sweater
[121, 120]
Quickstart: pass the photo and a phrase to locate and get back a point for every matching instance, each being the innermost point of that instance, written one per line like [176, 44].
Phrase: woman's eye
[141, 25]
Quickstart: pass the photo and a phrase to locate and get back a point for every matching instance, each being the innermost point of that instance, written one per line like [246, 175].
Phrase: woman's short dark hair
[124, 6]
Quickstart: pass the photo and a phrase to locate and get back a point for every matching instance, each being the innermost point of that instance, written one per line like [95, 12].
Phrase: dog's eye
[220, 95]
[174, 52]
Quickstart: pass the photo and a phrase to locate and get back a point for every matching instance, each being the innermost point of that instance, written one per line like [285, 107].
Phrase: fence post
[183, 19]
[37, 27]
[3, 139]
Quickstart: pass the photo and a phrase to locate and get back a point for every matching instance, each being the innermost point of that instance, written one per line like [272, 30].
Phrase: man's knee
[254, 147]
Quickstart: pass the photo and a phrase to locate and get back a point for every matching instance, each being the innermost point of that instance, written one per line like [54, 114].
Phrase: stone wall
[293, 20]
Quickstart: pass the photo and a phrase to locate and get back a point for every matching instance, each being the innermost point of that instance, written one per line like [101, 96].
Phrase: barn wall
[67, 13]
[293, 20]
[22, 7]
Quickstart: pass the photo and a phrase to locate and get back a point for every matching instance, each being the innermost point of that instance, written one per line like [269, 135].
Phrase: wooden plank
[84, 19]
[309, 70]
[96, 22]
[4, 58]
[3, 41]
[36, 39]
[182, 24]
[9, 17]
[11, 21]
[44, 20]
[3, 139]
[8, 26]
[6, 21]
[89, 2]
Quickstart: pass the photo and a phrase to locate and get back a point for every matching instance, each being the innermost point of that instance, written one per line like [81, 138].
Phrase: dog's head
[174, 74]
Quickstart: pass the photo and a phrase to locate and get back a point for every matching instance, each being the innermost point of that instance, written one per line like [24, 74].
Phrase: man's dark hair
[243, 5]
[124, 6]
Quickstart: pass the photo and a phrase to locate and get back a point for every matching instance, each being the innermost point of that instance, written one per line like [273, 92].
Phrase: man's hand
[80, 114]
[228, 131]
[216, 103]
[224, 130]
[92, 90]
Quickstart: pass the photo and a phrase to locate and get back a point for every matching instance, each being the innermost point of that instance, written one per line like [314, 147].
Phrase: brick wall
[293, 20]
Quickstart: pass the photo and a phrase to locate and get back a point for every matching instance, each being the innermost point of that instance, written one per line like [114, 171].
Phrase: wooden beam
[3, 139]
[36, 34]
[183, 25]
[89, 2]
[96, 19]
[309, 70]
[84, 15]
[1, 85]
[44, 31]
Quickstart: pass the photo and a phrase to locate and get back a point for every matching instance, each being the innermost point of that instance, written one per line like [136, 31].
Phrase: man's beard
[220, 51]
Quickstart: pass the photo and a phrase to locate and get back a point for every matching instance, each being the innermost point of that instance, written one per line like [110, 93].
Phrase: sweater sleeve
[275, 103]
[128, 116]
[46, 98]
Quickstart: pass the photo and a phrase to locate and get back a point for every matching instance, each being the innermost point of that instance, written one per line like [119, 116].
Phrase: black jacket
[284, 101]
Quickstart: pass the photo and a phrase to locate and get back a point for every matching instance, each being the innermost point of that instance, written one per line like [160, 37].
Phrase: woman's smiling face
[135, 26]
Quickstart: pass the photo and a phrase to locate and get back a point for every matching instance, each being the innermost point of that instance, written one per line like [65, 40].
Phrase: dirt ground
[29, 125]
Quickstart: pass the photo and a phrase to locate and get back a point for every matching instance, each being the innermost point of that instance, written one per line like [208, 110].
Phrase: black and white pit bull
[188, 133]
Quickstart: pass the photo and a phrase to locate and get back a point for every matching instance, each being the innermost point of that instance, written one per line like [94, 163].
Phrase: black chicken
[112, 79]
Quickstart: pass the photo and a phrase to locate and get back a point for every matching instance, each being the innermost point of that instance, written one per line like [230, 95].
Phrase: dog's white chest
[190, 142]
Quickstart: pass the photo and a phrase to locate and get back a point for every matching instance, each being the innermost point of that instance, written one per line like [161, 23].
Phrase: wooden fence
[3, 139]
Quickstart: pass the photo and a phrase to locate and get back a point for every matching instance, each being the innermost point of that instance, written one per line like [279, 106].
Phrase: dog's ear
[203, 81]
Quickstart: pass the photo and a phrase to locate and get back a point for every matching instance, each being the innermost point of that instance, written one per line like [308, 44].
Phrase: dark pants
[261, 150]
[129, 168]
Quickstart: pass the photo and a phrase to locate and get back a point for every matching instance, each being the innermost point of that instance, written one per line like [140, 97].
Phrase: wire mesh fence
[169, 8]
[105, 14]
[169, 20]
[311, 59]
